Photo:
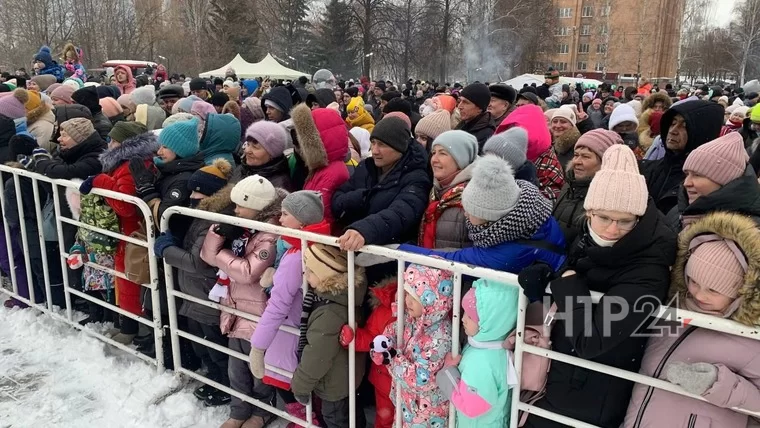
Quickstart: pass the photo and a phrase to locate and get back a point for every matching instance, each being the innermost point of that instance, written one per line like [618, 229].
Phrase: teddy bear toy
[382, 350]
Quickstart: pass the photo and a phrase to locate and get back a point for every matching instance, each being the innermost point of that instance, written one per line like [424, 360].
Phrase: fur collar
[310, 145]
[566, 142]
[746, 233]
[335, 288]
[217, 202]
[39, 113]
[650, 101]
[142, 146]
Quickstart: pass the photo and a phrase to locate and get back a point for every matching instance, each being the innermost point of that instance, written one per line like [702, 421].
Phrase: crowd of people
[645, 195]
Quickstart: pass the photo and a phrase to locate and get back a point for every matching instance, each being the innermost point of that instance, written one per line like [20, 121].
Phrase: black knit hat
[387, 96]
[210, 179]
[393, 132]
[530, 96]
[198, 84]
[504, 92]
[88, 97]
[380, 85]
[353, 91]
[398, 104]
[478, 94]
[219, 99]
[171, 91]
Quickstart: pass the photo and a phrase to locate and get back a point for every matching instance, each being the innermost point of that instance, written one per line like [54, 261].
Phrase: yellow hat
[33, 102]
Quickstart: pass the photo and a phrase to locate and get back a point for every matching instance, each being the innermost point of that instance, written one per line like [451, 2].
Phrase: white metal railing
[459, 270]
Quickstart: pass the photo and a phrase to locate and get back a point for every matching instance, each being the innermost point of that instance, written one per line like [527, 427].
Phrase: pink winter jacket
[245, 293]
[738, 362]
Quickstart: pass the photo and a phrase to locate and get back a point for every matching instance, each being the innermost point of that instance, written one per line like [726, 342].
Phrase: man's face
[523, 102]
[677, 134]
[498, 107]
[200, 93]
[378, 92]
[468, 110]
[168, 103]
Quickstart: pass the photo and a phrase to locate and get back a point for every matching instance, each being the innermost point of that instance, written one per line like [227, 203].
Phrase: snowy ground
[52, 375]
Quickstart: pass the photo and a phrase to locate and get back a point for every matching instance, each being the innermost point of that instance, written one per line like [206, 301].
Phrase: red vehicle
[138, 67]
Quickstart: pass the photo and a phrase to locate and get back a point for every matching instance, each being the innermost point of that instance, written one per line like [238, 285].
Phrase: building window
[599, 66]
[562, 31]
[564, 48]
[560, 66]
[565, 12]
[604, 29]
[601, 48]
[586, 30]
[587, 12]
[605, 11]
[583, 48]
[581, 65]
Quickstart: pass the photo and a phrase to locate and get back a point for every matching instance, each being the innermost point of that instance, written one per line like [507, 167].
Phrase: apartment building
[616, 39]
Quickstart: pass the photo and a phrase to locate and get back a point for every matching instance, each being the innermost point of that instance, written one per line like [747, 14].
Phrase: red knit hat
[721, 160]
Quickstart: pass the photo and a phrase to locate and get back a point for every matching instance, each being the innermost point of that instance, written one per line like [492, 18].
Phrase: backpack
[99, 248]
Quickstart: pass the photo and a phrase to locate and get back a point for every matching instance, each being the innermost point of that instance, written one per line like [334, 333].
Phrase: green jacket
[323, 368]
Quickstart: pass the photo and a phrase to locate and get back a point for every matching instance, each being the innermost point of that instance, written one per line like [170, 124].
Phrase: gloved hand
[534, 279]
[229, 231]
[303, 399]
[696, 378]
[346, 335]
[256, 362]
[267, 278]
[163, 242]
[145, 179]
[451, 360]
[76, 257]
[86, 187]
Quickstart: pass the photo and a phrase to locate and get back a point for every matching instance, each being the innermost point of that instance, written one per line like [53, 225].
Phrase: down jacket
[568, 209]
[116, 177]
[195, 276]
[245, 293]
[390, 210]
[443, 226]
[737, 358]
[323, 141]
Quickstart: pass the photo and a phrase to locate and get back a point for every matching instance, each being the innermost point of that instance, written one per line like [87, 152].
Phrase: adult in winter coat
[564, 134]
[323, 145]
[473, 110]
[502, 102]
[385, 199]
[88, 97]
[716, 273]
[124, 79]
[540, 152]
[443, 224]
[117, 177]
[277, 104]
[40, 121]
[69, 111]
[263, 154]
[718, 178]
[221, 138]
[587, 161]
[625, 253]
[684, 127]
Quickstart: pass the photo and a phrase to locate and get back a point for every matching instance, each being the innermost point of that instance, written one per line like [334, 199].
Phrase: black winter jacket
[481, 127]
[172, 188]
[637, 270]
[568, 209]
[704, 121]
[80, 161]
[387, 211]
[527, 172]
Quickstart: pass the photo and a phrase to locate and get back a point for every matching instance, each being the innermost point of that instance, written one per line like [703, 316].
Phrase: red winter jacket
[381, 298]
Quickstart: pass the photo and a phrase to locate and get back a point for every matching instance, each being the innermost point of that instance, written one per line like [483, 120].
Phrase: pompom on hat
[492, 192]
[211, 178]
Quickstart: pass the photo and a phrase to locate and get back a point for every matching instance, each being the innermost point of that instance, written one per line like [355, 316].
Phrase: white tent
[269, 67]
[238, 64]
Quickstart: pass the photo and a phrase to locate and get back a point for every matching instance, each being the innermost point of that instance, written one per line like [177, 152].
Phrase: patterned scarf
[238, 245]
[449, 199]
[522, 222]
[310, 302]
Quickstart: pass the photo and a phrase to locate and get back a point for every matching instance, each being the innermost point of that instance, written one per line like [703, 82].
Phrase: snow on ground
[52, 375]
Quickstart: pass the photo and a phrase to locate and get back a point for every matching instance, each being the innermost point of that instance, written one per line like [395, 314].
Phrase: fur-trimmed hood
[335, 289]
[219, 201]
[650, 101]
[322, 136]
[141, 146]
[39, 113]
[746, 234]
[566, 142]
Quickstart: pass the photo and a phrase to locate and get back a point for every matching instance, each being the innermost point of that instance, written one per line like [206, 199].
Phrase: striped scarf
[310, 300]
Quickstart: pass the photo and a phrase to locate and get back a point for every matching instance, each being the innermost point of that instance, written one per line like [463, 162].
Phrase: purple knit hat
[722, 160]
[12, 103]
[270, 135]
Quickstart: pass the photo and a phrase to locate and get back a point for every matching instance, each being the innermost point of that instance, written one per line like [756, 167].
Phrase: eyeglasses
[605, 222]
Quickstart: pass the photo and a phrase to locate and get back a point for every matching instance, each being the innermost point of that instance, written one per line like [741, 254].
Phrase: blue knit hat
[181, 138]
[44, 56]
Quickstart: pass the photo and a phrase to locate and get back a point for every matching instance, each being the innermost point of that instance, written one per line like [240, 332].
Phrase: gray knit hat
[306, 206]
[461, 145]
[393, 132]
[492, 192]
[511, 145]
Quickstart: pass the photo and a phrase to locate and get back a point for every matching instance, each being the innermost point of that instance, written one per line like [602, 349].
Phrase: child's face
[471, 327]
[246, 213]
[476, 221]
[413, 307]
[287, 220]
[707, 299]
[312, 278]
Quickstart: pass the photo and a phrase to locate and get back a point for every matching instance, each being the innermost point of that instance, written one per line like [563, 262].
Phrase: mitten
[229, 231]
[346, 335]
[695, 378]
[163, 242]
[534, 279]
[75, 260]
[145, 179]
[256, 362]
[267, 278]
[303, 399]
[86, 185]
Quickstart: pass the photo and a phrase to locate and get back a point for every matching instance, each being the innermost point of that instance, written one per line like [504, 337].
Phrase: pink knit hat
[721, 160]
[111, 107]
[63, 93]
[401, 116]
[12, 104]
[201, 110]
[434, 124]
[598, 141]
[716, 265]
[470, 305]
[618, 186]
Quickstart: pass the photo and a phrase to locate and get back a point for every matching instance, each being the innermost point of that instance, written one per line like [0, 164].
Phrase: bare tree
[746, 29]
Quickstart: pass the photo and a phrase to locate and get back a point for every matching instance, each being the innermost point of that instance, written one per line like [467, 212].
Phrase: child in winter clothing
[323, 366]
[300, 210]
[244, 254]
[44, 64]
[73, 61]
[426, 341]
[716, 273]
[482, 397]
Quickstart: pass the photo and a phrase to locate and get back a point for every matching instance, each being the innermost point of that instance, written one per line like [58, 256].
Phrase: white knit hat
[254, 192]
[618, 186]
[566, 112]
[623, 113]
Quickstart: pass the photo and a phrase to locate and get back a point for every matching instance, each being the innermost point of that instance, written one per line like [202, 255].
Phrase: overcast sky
[723, 9]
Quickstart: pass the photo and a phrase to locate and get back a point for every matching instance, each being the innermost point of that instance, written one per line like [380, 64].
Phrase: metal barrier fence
[459, 270]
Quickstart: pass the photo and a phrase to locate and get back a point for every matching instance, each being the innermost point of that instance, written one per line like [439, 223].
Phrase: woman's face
[697, 185]
[121, 76]
[442, 163]
[113, 144]
[346, 99]
[708, 299]
[608, 107]
[254, 154]
[560, 125]
[66, 141]
[422, 139]
[166, 154]
[32, 85]
[338, 96]
[611, 225]
[585, 163]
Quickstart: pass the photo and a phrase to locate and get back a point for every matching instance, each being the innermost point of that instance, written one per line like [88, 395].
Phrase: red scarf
[323, 227]
[451, 198]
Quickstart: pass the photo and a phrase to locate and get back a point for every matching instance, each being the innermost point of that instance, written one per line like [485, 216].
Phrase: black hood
[324, 97]
[70, 111]
[281, 97]
[193, 163]
[704, 121]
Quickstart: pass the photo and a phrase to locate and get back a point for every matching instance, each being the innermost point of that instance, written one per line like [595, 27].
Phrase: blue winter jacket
[507, 256]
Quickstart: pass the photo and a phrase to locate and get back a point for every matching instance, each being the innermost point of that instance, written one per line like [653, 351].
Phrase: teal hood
[497, 309]
[221, 137]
